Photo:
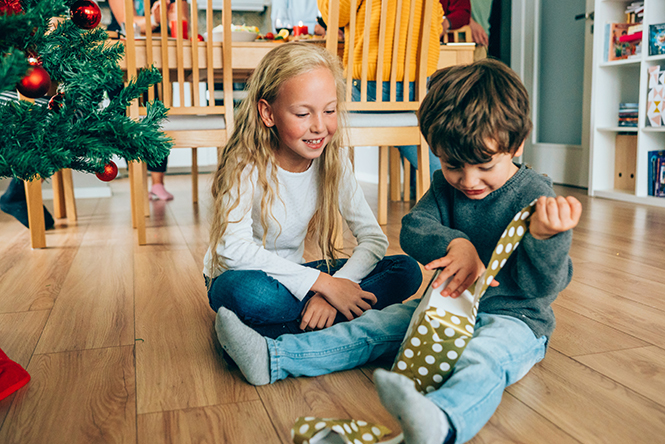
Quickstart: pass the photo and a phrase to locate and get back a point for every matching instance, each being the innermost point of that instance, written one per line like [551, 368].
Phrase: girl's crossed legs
[264, 304]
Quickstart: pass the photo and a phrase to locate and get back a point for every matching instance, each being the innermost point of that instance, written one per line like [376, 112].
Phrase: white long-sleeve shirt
[241, 245]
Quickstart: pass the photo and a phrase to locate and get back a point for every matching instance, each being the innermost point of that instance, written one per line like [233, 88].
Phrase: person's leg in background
[157, 190]
[13, 202]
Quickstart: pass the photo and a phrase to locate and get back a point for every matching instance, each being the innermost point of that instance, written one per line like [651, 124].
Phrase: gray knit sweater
[533, 276]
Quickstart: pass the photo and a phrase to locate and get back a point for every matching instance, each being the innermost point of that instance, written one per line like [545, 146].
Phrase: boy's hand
[317, 314]
[461, 262]
[346, 296]
[554, 215]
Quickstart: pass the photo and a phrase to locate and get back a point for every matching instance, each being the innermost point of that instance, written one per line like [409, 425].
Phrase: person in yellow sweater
[436, 28]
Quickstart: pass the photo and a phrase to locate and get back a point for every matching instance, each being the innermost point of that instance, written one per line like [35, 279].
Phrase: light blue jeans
[409, 152]
[502, 351]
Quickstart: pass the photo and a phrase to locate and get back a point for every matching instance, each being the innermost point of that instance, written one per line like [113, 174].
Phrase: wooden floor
[120, 344]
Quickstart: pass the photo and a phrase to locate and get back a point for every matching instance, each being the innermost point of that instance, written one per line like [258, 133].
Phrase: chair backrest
[459, 35]
[194, 73]
[399, 56]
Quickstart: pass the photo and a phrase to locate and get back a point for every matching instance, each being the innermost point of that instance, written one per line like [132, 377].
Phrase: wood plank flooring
[120, 344]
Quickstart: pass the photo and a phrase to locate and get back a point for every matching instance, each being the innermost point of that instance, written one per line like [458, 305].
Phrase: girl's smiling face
[305, 116]
[477, 181]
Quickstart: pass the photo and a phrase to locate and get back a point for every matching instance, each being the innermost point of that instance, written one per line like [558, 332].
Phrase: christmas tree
[85, 123]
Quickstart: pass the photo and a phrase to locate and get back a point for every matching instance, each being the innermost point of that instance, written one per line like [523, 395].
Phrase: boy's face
[479, 180]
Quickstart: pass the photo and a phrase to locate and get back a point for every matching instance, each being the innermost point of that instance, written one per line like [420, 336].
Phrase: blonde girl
[284, 174]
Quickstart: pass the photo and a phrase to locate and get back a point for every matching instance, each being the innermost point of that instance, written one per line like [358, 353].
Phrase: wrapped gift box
[441, 327]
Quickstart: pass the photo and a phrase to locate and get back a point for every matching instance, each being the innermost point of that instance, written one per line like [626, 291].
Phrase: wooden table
[245, 55]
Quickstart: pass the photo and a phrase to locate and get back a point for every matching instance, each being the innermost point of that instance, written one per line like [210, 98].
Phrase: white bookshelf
[615, 82]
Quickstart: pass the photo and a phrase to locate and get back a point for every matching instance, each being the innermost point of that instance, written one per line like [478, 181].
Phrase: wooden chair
[390, 122]
[459, 35]
[64, 204]
[186, 66]
[449, 55]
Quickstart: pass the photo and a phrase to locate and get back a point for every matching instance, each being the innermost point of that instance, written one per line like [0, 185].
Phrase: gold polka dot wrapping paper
[441, 327]
[310, 430]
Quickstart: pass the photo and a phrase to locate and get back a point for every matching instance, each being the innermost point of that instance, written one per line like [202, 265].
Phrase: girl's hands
[554, 215]
[346, 296]
[317, 314]
[462, 263]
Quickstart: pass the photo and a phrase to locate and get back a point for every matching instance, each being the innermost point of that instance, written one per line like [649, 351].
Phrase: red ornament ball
[36, 82]
[86, 14]
[110, 172]
[10, 7]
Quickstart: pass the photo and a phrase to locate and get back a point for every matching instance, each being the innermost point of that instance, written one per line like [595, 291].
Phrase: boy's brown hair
[467, 106]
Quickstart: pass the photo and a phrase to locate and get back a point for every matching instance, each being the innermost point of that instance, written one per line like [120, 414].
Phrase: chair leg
[68, 190]
[407, 180]
[137, 178]
[383, 185]
[33, 197]
[422, 173]
[59, 210]
[339, 236]
[146, 196]
[195, 176]
[395, 174]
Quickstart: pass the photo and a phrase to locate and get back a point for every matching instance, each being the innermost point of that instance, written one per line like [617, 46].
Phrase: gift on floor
[441, 327]
[312, 430]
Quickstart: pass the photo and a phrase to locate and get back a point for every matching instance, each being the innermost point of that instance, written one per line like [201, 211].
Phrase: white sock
[421, 420]
[245, 346]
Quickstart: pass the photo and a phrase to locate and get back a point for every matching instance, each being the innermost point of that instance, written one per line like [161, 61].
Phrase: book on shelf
[635, 12]
[655, 96]
[628, 113]
[657, 39]
[656, 174]
[615, 49]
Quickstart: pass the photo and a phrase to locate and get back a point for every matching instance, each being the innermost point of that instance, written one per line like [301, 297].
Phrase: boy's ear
[265, 111]
[520, 150]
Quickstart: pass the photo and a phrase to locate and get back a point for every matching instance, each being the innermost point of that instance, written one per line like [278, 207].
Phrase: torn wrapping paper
[441, 327]
[309, 430]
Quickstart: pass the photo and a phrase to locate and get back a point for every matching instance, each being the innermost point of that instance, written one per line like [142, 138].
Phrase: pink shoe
[158, 192]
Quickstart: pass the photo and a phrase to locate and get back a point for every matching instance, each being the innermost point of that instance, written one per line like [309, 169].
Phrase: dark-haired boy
[475, 118]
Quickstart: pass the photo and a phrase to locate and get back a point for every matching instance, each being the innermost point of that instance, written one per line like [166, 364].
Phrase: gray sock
[421, 420]
[245, 346]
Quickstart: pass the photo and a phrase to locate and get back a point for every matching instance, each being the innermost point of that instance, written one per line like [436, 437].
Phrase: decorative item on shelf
[657, 39]
[655, 96]
[86, 14]
[656, 176]
[110, 172]
[618, 49]
[625, 161]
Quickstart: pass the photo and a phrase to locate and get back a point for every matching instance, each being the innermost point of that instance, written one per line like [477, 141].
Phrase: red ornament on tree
[110, 172]
[36, 82]
[10, 7]
[86, 14]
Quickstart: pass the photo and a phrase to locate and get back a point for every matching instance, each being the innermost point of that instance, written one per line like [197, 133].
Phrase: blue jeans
[266, 305]
[409, 152]
[502, 351]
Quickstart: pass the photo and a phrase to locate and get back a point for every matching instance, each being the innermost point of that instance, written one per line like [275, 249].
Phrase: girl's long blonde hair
[253, 144]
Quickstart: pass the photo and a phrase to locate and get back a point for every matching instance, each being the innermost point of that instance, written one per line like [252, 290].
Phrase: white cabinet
[616, 82]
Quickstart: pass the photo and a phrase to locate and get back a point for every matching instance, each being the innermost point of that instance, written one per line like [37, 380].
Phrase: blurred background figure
[456, 13]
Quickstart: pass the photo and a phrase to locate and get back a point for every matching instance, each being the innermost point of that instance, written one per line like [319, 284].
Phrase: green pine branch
[82, 134]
